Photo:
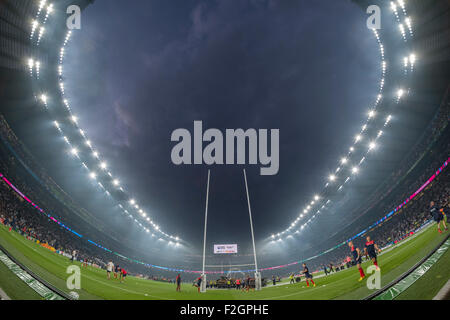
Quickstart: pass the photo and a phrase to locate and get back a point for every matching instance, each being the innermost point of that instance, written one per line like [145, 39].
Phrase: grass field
[342, 285]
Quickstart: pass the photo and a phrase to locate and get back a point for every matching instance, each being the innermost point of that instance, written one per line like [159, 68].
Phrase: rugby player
[116, 271]
[371, 249]
[356, 254]
[437, 216]
[123, 274]
[308, 276]
[109, 269]
[178, 281]
[199, 283]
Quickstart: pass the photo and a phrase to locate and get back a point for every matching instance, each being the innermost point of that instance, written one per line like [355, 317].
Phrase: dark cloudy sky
[140, 69]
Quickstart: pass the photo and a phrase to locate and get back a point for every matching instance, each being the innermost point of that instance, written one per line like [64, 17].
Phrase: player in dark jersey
[117, 271]
[371, 249]
[308, 276]
[437, 216]
[199, 283]
[248, 280]
[178, 282]
[356, 254]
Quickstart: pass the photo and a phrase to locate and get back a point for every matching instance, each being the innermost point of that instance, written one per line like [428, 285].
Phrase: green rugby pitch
[343, 285]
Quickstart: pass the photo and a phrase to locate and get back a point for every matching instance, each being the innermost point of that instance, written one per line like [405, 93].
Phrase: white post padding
[203, 284]
[258, 281]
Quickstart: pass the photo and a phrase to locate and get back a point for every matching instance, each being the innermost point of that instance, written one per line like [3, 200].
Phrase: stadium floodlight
[352, 149]
[380, 133]
[116, 182]
[95, 154]
[74, 119]
[44, 98]
[358, 138]
[388, 119]
[74, 151]
[371, 114]
[355, 170]
[400, 93]
[157, 228]
[31, 63]
[316, 197]
[332, 177]
[372, 145]
[34, 24]
[344, 160]
[103, 165]
[92, 175]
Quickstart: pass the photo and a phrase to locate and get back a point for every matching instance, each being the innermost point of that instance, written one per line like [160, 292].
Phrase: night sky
[137, 72]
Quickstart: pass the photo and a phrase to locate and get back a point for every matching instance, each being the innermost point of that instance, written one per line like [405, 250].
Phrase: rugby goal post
[257, 273]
